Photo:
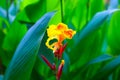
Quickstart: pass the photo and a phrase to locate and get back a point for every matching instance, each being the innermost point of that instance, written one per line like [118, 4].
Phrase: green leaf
[113, 36]
[20, 18]
[21, 65]
[13, 37]
[67, 63]
[3, 56]
[95, 23]
[101, 58]
[75, 13]
[107, 69]
[1, 77]
[3, 4]
[2, 13]
[13, 10]
[92, 9]
[25, 3]
[39, 9]
[44, 50]
[113, 4]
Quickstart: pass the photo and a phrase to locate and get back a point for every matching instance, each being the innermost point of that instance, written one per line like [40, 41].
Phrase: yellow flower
[59, 32]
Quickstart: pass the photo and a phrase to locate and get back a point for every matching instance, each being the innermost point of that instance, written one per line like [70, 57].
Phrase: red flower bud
[62, 50]
[60, 70]
[58, 52]
[53, 67]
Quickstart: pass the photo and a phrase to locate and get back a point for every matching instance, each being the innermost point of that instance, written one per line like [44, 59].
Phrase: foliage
[92, 54]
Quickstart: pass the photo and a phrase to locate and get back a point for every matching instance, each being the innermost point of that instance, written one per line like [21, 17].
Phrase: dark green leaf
[44, 50]
[101, 58]
[39, 10]
[67, 63]
[26, 52]
[107, 69]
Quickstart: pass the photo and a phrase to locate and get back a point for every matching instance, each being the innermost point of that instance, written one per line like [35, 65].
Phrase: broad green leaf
[44, 50]
[95, 23]
[39, 9]
[13, 37]
[94, 6]
[110, 77]
[2, 35]
[20, 18]
[119, 1]
[113, 4]
[2, 12]
[107, 69]
[55, 6]
[21, 65]
[3, 56]
[41, 69]
[1, 77]
[13, 10]
[25, 3]
[101, 58]
[75, 13]
[3, 4]
[67, 63]
[4, 24]
[87, 49]
[113, 36]
[3, 30]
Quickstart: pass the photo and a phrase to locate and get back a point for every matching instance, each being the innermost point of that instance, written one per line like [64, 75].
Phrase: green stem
[61, 5]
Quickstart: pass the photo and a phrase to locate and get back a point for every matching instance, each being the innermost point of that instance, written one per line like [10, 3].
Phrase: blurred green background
[92, 54]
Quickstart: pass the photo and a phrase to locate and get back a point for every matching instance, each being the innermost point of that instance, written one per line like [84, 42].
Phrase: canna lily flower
[58, 32]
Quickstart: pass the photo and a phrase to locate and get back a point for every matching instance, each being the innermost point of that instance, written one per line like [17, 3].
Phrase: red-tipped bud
[53, 67]
[58, 53]
[62, 50]
[60, 70]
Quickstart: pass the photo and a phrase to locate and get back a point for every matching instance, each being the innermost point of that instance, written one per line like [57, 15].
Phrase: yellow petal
[59, 32]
